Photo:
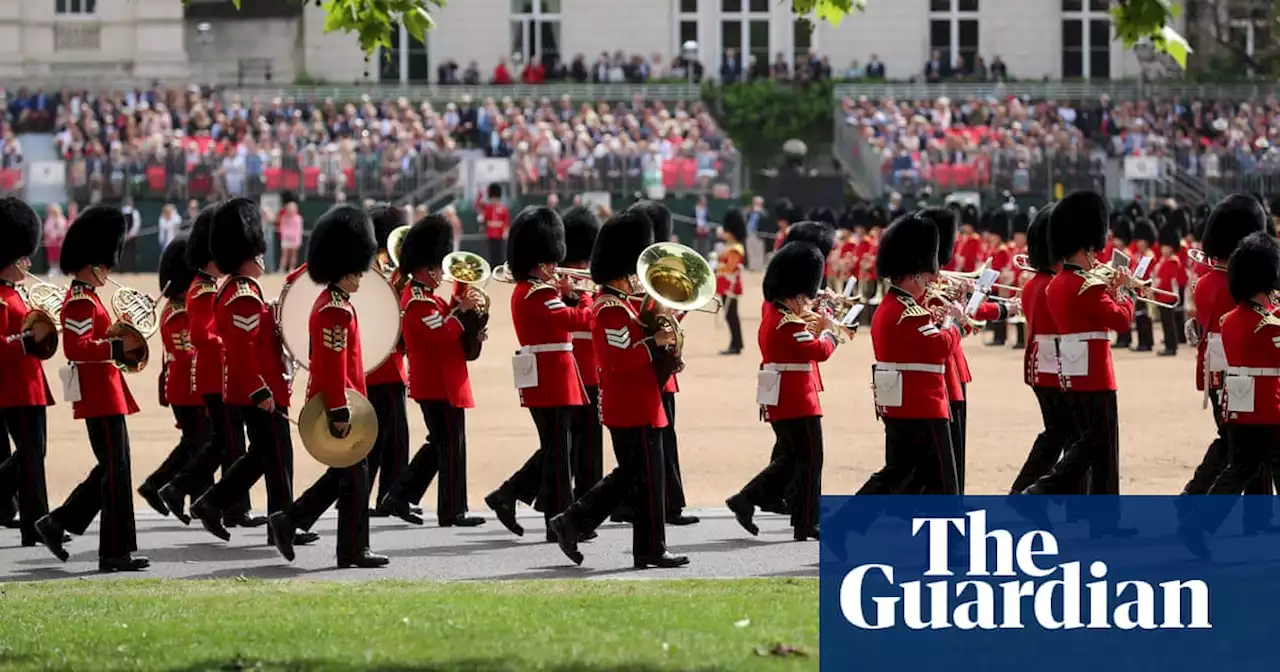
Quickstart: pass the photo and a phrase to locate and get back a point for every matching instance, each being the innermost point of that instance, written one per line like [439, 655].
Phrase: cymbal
[313, 428]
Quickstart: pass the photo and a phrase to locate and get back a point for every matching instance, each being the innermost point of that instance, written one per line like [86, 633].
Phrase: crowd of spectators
[11, 158]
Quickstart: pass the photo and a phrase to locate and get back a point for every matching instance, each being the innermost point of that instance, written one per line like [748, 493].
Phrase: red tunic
[179, 356]
[672, 385]
[336, 363]
[496, 219]
[103, 391]
[1251, 338]
[1040, 329]
[433, 344]
[544, 327]
[786, 342]
[769, 313]
[255, 356]
[629, 392]
[584, 352]
[968, 253]
[204, 334]
[1213, 301]
[729, 271]
[1082, 309]
[22, 381]
[903, 333]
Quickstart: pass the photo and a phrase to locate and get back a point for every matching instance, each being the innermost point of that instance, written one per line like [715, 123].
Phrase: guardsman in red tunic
[176, 389]
[387, 383]
[1085, 308]
[1018, 277]
[1000, 259]
[793, 340]
[580, 229]
[1251, 388]
[968, 249]
[1171, 276]
[630, 403]
[545, 371]
[225, 437]
[438, 379]
[1232, 220]
[254, 382]
[1144, 237]
[496, 220]
[24, 391]
[729, 267]
[341, 249]
[1121, 231]
[94, 384]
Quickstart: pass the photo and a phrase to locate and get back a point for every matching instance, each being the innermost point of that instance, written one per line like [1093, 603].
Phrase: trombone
[1197, 255]
[580, 276]
[1144, 290]
[954, 277]
[1023, 263]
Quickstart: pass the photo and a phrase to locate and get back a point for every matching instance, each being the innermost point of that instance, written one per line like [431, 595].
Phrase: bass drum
[377, 308]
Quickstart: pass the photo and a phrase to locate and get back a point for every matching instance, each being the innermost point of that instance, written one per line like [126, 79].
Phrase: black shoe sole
[646, 563]
[152, 498]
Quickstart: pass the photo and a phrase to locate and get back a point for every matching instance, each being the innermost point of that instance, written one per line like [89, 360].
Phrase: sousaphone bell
[331, 451]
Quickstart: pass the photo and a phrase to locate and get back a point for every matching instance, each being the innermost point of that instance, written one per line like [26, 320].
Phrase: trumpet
[953, 276]
[471, 270]
[839, 305]
[45, 302]
[1144, 290]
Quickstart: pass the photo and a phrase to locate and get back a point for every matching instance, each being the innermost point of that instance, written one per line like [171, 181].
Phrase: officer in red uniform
[630, 403]
[1084, 309]
[254, 380]
[390, 454]
[1121, 229]
[438, 378]
[225, 437]
[496, 220]
[968, 246]
[729, 267]
[1170, 275]
[1251, 387]
[1017, 277]
[341, 248]
[999, 258]
[793, 339]
[580, 229]
[99, 395]
[1144, 238]
[24, 391]
[545, 371]
[176, 389]
[1232, 220]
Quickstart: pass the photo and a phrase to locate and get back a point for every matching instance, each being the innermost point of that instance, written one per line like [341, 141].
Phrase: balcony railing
[1116, 90]
[671, 92]
[537, 176]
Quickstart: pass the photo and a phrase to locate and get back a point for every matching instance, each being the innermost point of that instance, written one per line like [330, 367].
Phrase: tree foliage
[762, 115]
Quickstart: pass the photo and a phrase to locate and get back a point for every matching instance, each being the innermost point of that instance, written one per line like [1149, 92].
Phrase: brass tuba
[470, 270]
[45, 302]
[331, 451]
[675, 278]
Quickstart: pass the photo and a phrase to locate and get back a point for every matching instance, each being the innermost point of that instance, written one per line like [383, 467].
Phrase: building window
[1086, 39]
[953, 33]
[803, 40]
[535, 31]
[744, 28]
[1249, 28]
[75, 7]
[686, 28]
[406, 61]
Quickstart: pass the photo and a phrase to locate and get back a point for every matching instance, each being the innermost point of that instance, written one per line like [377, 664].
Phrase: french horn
[44, 300]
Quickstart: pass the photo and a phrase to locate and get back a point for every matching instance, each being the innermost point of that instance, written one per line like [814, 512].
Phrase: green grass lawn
[564, 626]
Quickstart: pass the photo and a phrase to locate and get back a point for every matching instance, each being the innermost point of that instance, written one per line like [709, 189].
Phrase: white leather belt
[580, 335]
[1046, 339]
[1252, 372]
[922, 368]
[1213, 337]
[1086, 336]
[548, 347]
[803, 368]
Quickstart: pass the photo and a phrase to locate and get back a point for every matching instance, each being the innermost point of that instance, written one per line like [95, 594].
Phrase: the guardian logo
[1053, 596]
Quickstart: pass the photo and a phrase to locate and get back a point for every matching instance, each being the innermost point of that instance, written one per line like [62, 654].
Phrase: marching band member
[787, 390]
[1000, 259]
[729, 266]
[1121, 228]
[225, 438]
[390, 454]
[580, 229]
[546, 372]
[1144, 236]
[24, 391]
[1084, 308]
[496, 220]
[438, 378]
[1251, 388]
[254, 383]
[98, 394]
[967, 252]
[176, 389]
[340, 252]
[630, 403]
[1018, 246]
[1232, 220]
[1170, 275]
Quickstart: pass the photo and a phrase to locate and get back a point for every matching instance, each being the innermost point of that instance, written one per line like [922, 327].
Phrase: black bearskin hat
[342, 244]
[1021, 222]
[618, 246]
[20, 229]
[659, 218]
[536, 237]
[494, 190]
[860, 216]
[96, 238]
[236, 236]
[580, 228]
[735, 225]
[386, 217]
[1079, 222]
[794, 270]
[1171, 235]
[1121, 227]
[945, 221]
[825, 215]
[1145, 229]
[175, 274]
[786, 211]
[969, 215]
[818, 234]
[1134, 210]
[1254, 267]
[427, 243]
[198, 253]
[1038, 253]
[877, 217]
[999, 224]
[1233, 218]
[907, 247]
[1180, 219]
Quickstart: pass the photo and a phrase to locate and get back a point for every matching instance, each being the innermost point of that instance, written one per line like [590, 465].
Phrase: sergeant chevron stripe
[79, 327]
[246, 322]
[618, 338]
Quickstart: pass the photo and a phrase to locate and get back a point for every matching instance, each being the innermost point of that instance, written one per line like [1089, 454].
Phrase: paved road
[718, 547]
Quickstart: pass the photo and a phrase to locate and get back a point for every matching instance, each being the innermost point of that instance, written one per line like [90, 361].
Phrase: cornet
[1144, 290]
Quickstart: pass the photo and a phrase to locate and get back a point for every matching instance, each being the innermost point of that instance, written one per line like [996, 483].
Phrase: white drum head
[377, 309]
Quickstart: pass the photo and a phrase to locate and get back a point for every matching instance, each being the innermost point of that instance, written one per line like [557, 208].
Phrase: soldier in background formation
[729, 266]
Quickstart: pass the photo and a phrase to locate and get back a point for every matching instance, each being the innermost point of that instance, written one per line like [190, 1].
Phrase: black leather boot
[123, 563]
[504, 508]
[364, 559]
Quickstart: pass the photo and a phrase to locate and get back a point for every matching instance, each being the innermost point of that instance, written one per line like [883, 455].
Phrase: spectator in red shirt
[501, 77]
[533, 73]
[1170, 276]
[496, 220]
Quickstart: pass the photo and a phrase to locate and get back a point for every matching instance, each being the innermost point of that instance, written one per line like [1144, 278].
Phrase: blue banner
[1099, 584]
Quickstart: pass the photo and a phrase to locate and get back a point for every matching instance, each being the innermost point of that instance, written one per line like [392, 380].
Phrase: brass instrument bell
[44, 300]
[675, 278]
[331, 451]
[471, 270]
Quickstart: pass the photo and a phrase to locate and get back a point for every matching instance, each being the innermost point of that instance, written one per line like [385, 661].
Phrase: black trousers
[734, 321]
[193, 422]
[1059, 432]
[671, 456]
[22, 472]
[225, 445]
[544, 480]
[639, 475]
[497, 251]
[1092, 462]
[270, 457]
[349, 489]
[999, 332]
[916, 452]
[796, 471]
[9, 506]
[444, 454]
[587, 447]
[1169, 328]
[390, 454]
[1142, 325]
[1253, 449]
[106, 490]
[1211, 467]
[959, 426]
